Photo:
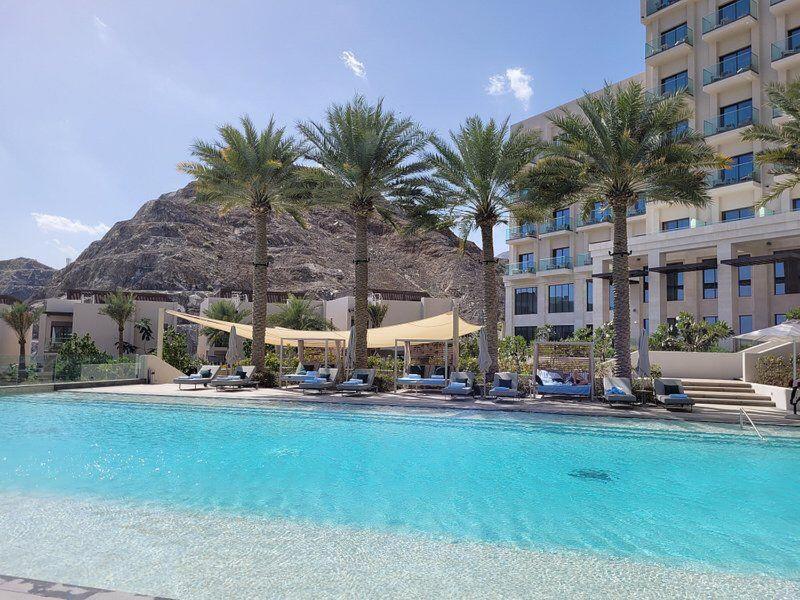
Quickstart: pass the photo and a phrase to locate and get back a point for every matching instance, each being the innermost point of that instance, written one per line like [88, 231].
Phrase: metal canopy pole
[395, 366]
[280, 365]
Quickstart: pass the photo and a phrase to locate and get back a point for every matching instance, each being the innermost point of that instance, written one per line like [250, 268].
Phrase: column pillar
[657, 307]
[160, 334]
[580, 301]
[726, 275]
[599, 301]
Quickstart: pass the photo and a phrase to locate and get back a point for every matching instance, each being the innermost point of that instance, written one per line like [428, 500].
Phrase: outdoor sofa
[302, 373]
[416, 379]
[242, 377]
[669, 392]
[205, 375]
[552, 383]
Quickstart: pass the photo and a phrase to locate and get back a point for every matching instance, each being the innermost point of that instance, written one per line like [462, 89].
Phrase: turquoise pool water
[677, 495]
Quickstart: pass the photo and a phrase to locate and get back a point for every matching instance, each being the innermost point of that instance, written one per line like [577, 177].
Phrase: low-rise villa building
[728, 261]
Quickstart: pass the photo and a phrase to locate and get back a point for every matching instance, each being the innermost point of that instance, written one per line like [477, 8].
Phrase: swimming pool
[80, 470]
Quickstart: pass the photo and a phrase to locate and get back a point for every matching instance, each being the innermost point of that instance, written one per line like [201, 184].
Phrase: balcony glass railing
[520, 267]
[637, 209]
[730, 13]
[596, 216]
[735, 174]
[730, 67]
[583, 260]
[553, 225]
[668, 41]
[788, 47]
[653, 6]
[673, 87]
[523, 231]
[729, 121]
[556, 262]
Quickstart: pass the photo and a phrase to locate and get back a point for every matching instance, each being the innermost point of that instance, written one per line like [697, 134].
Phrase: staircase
[722, 392]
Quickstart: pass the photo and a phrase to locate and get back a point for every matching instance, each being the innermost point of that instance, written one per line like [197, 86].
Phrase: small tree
[176, 350]
[689, 335]
[299, 313]
[144, 327]
[74, 352]
[377, 313]
[120, 308]
[21, 317]
[514, 353]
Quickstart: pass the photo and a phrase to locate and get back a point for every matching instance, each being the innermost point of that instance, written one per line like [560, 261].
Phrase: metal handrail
[743, 413]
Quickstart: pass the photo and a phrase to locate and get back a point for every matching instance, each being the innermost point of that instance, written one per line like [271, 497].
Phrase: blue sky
[101, 99]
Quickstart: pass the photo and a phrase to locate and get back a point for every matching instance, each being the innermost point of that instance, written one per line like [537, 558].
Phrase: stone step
[743, 401]
[719, 388]
[713, 394]
[716, 382]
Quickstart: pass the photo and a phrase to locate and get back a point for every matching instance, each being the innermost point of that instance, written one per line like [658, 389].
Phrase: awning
[767, 259]
[432, 329]
[686, 267]
[633, 273]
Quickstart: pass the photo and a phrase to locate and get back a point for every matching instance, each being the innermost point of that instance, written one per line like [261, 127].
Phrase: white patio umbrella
[484, 359]
[643, 366]
[788, 331]
[350, 352]
[235, 351]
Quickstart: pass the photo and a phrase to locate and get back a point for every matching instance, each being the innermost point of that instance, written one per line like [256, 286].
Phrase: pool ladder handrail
[742, 414]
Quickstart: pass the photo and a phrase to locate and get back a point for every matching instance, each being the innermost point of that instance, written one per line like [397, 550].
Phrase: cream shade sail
[432, 329]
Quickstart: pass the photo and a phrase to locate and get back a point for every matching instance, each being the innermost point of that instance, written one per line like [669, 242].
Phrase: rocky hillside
[24, 278]
[174, 244]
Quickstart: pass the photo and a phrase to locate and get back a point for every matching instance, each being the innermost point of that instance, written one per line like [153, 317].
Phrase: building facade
[727, 261]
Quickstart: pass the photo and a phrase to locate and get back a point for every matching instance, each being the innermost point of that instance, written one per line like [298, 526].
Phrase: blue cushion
[615, 391]
[679, 396]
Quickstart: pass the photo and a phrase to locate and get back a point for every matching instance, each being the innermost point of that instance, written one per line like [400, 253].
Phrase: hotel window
[787, 277]
[780, 278]
[745, 323]
[646, 324]
[740, 169]
[710, 283]
[734, 62]
[527, 262]
[525, 301]
[711, 319]
[792, 38]
[675, 83]
[779, 318]
[674, 286]
[676, 224]
[589, 295]
[732, 11]
[646, 289]
[526, 331]
[745, 280]
[673, 36]
[561, 257]
[795, 203]
[737, 214]
[562, 332]
[561, 298]
[561, 217]
[736, 115]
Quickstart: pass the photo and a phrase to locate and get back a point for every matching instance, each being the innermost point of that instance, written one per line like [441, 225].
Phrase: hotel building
[727, 261]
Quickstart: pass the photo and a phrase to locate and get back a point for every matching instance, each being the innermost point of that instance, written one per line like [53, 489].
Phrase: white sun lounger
[198, 378]
[243, 378]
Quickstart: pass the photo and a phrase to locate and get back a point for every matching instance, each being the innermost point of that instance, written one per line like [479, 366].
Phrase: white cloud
[352, 63]
[101, 28]
[514, 80]
[55, 223]
[66, 249]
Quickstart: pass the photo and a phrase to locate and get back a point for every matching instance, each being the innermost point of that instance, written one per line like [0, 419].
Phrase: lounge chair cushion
[360, 377]
[615, 391]
[205, 374]
[504, 384]
[437, 376]
[670, 389]
[678, 396]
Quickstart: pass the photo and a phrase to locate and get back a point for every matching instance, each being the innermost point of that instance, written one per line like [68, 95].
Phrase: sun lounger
[324, 381]
[461, 385]
[241, 378]
[669, 392]
[618, 390]
[361, 380]
[205, 375]
[505, 387]
[302, 373]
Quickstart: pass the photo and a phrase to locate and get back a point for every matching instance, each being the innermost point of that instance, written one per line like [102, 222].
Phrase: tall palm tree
[473, 189]
[120, 308]
[299, 313]
[258, 171]
[627, 143]
[369, 159]
[783, 141]
[223, 310]
[21, 317]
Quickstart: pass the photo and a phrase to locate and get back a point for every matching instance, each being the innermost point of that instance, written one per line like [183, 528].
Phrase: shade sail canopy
[432, 329]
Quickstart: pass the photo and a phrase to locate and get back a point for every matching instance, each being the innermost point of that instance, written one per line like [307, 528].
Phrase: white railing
[742, 415]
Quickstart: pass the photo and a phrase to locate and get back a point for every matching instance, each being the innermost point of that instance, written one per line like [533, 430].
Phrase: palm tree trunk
[120, 340]
[260, 258]
[491, 317]
[620, 277]
[22, 368]
[361, 289]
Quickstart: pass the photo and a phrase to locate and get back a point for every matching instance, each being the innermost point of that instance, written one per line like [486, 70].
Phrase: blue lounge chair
[505, 387]
[461, 385]
[361, 380]
[241, 378]
[618, 390]
[205, 375]
[324, 381]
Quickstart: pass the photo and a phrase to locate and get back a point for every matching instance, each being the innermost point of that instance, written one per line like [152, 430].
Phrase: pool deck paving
[19, 588]
[704, 413]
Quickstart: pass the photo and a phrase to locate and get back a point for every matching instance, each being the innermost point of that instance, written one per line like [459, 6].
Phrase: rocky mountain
[175, 244]
[24, 278]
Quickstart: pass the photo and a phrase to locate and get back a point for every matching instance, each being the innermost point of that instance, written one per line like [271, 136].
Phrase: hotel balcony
[669, 47]
[730, 73]
[583, 260]
[521, 268]
[781, 7]
[671, 88]
[730, 19]
[555, 263]
[556, 226]
[526, 231]
[654, 6]
[596, 217]
[786, 53]
[638, 209]
[739, 174]
[725, 127]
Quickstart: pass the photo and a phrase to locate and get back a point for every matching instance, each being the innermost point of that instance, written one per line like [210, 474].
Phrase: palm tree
[783, 141]
[120, 308]
[369, 160]
[21, 317]
[258, 171]
[474, 177]
[377, 313]
[299, 313]
[223, 310]
[627, 143]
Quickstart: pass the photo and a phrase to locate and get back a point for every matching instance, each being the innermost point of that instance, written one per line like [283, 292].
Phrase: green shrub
[774, 370]
[176, 351]
[76, 351]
